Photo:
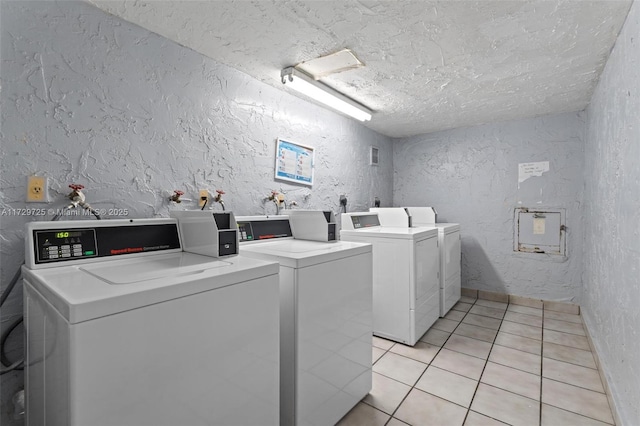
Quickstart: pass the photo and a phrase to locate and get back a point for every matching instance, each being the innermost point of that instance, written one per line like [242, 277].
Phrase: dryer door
[427, 286]
[451, 251]
[427, 264]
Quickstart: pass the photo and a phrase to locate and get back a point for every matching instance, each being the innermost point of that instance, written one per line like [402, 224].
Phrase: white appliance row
[325, 313]
[158, 322]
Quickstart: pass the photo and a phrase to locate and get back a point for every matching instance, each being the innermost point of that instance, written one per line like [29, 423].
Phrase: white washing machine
[326, 325]
[450, 254]
[125, 328]
[405, 275]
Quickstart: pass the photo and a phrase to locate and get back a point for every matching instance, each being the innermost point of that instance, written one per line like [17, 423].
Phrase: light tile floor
[487, 363]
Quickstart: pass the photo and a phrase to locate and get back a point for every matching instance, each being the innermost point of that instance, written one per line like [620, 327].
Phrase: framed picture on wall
[294, 162]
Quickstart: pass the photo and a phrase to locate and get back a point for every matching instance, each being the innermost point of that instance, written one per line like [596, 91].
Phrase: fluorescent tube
[324, 94]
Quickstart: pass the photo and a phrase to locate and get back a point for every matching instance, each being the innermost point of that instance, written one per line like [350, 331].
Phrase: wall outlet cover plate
[37, 189]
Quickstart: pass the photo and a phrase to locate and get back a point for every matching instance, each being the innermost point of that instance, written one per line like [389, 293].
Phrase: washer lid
[391, 232]
[135, 271]
[443, 228]
[302, 253]
[94, 290]
[447, 228]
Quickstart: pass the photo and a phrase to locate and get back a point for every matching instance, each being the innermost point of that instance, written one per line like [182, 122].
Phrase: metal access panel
[539, 231]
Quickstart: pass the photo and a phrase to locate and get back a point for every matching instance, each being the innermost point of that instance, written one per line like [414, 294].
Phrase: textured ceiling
[430, 65]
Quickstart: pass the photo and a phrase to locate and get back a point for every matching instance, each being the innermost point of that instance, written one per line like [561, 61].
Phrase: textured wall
[91, 99]
[471, 176]
[612, 216]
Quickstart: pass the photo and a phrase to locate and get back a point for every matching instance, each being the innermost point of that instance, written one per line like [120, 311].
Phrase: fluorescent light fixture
[322, 93]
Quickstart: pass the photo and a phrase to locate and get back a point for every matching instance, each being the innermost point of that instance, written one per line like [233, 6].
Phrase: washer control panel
[76, 243]
[365, 221]
[65, 244]
[254, 230]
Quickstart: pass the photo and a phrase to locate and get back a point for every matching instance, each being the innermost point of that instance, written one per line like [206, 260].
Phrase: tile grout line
[541, 364]
[574, 412]
[429, 365]
[493, 344]
[568, 362]
[412, 387]
[575, 386]
[425, 370]
[486, 361]
[442, 347]
[372, 364]
[485, 367]
[391, 416]
[559, 381]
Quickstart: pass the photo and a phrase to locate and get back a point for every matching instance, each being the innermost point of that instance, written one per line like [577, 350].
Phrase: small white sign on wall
[527, 170]
[538, 225]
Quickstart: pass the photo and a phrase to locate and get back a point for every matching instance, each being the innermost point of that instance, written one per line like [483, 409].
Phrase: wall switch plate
[203, 197]
[37, 189]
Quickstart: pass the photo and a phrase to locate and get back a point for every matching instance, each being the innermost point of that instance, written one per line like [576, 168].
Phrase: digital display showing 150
[67, 234]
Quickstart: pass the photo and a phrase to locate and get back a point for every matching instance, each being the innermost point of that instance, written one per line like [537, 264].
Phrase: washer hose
[5, 335]
[18, 365]
[12, 284]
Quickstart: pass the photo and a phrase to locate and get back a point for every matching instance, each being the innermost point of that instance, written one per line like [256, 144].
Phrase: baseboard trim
[603, 376]
[569, 308]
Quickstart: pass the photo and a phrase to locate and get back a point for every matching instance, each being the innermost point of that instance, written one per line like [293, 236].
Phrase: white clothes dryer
[450, 254]
[125, 328]
[405, 275]
[325, 316]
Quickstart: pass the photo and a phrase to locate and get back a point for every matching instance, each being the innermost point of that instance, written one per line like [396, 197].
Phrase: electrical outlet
[37, 189]
[203, 197]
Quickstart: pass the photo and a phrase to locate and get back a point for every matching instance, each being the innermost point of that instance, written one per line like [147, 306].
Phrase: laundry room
[127, 105]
